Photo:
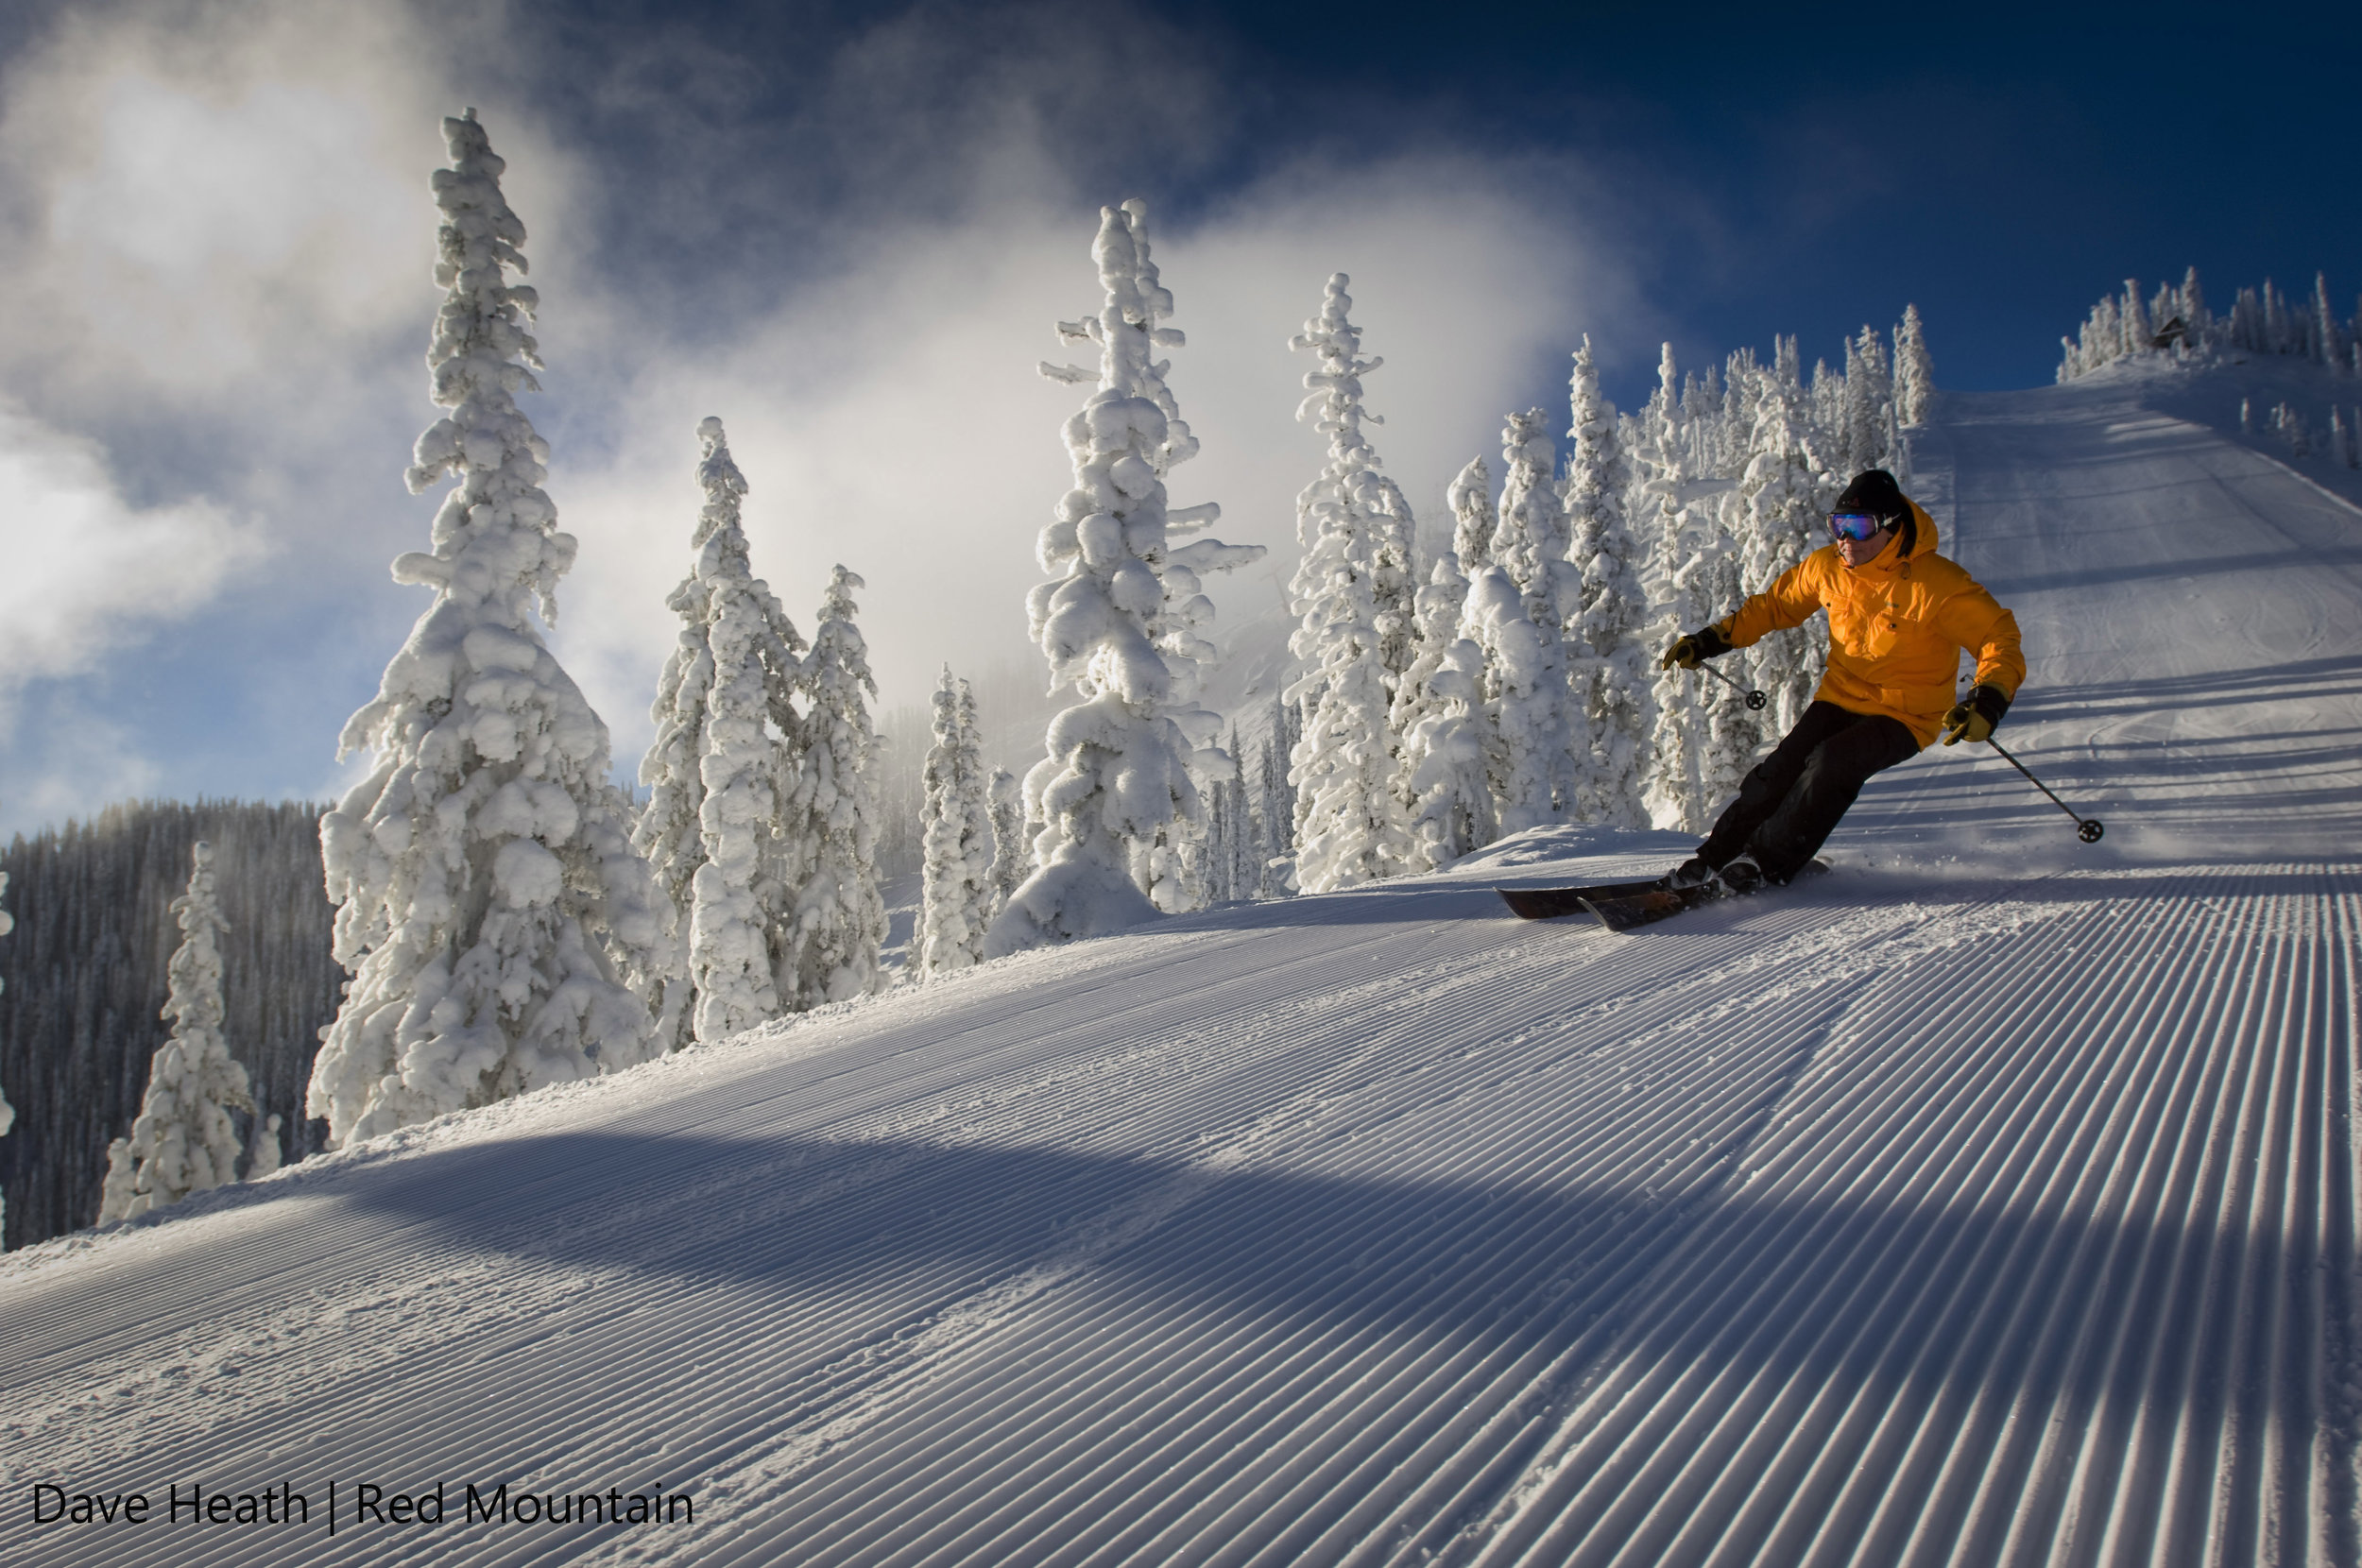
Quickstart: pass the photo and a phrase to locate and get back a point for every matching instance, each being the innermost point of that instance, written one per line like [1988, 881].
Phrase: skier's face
[1863, 552]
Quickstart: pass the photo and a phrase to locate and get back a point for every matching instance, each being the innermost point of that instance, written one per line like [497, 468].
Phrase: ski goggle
[1858, 526]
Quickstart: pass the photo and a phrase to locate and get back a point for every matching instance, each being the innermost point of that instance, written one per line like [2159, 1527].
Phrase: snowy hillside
[1991, 1199]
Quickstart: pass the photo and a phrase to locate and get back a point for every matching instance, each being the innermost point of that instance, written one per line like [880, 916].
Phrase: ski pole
[1754, 699]
[2086, 828]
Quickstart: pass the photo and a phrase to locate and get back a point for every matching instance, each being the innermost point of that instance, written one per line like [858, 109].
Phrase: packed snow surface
[1988, 1200]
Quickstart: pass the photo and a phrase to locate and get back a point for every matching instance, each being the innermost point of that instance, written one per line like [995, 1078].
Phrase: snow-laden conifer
[1863, 440]
[1784, 494]
[1012, 845]
[1395, 586]
[1531, 540]
[1349, 826]
[1915, 371]
[1531, 544]
[1240, 875]
[264, 1151]
[1473, 517]
[1275, 813]
[719, 769]
[1121, 622]
[1525, 701]
[183, 1140]
[490, 908]
[839, 923]
[1674, 533]
[1607, 661]
[1439, 718]
[956, 894]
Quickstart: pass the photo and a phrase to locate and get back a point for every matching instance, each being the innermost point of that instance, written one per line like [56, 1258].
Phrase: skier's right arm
[1692, 649]
[1790, 601]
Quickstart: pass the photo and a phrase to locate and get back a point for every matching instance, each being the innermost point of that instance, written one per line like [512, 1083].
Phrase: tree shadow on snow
[1954, 1308]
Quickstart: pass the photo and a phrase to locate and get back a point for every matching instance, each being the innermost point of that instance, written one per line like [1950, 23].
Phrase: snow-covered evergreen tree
[1243, 878]
[840, 922]
[1676, 535]
[491, 910]
[183, 1140]
[956, 892]
[1474, 518]
[263, 1153]
[719, 771]
[1349, 825]
[1733, 548]
[1276, 814]
[1221, 830]
[1395, 586]
[1915, 371]
[1119, 622]
[1531, 544]
[1783, 496]
[1439, 718]
[1863, 440]
[1012, 845]
[1525, 701]
[1607, 661]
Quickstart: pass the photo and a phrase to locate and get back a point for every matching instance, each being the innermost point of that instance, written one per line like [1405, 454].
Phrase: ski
[1646, 908]
[1549, 903]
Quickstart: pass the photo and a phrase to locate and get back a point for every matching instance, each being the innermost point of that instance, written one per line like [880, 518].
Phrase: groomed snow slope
[1989, 1201]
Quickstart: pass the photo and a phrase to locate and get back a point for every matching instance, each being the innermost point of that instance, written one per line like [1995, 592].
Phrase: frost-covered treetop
[1532, 539]
[194, 976]
[1595, 478]
[482, 356]
[1471, 502]
[1127, 333]
[1107, 542]
[1334, 400]
[724, 488]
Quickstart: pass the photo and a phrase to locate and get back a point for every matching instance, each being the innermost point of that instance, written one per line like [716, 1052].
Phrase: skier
[1899, 615]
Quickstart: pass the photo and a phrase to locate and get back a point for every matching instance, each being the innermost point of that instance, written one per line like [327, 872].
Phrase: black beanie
[1873, 493]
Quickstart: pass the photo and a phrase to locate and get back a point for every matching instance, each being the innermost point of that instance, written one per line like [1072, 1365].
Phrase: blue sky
[846, 229]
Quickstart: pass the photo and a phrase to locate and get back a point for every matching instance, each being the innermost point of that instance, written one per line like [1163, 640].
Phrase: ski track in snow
[1990, 1201]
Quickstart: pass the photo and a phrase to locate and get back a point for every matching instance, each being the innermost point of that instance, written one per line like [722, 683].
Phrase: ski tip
[1643, 909]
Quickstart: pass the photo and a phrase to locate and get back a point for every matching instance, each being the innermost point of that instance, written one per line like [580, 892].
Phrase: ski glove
[1975, 716]
[1695, 649]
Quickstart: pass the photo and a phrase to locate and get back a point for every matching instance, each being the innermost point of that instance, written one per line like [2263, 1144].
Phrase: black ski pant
[1793, 799]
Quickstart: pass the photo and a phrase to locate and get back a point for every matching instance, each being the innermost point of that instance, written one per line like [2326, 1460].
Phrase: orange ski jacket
[1896, 629]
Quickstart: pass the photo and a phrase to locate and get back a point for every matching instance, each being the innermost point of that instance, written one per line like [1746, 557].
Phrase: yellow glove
[1695, 649]
[1973, 717]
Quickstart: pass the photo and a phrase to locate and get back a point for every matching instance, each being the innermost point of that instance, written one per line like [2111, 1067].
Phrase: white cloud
[892, 420]
[206, 199]
[87, 573]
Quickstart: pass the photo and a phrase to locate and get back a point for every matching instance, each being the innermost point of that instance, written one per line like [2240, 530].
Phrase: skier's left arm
[1976, 622]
